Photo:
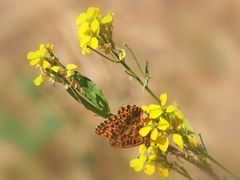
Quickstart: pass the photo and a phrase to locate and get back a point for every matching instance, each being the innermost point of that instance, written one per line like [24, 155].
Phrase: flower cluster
[165, 122]
[44, 60]
[94, 29]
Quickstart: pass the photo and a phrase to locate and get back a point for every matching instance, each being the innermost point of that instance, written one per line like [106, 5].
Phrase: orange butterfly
[123, 128]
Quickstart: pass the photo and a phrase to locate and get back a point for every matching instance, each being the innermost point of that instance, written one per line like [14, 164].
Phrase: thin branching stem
[123, 63]
[136, 60]
[107, 58]
[221, 166]
[196, 163]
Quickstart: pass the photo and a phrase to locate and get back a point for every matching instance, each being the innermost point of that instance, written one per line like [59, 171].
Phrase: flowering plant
[160, 130]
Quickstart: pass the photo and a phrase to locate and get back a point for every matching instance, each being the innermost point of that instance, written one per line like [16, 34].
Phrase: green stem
[140, 81]
[136, 77]
[109, 59]
[196, 163]
[136, 60]
[180, 172]
[221, 166]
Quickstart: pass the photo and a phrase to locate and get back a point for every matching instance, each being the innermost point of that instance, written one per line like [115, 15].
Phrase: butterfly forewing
[123, 128]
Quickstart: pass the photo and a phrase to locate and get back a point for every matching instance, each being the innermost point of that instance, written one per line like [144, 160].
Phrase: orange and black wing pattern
[123, 128]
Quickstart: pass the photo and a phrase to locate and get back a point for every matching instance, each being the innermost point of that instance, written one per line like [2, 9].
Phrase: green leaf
[147, 75]
[91, 96]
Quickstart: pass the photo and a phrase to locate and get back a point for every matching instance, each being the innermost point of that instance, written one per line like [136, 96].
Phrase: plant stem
[136, 60]
[136, 77]
[180, 172]
[221, 166]
[196, 163]
[109, 59]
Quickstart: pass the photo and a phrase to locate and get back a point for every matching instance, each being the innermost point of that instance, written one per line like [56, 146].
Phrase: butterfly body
[123, 128]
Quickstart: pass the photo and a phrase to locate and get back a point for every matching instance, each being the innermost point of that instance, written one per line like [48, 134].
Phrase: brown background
[193, 49]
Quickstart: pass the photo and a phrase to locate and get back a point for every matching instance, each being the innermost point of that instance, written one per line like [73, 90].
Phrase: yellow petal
[154, 134]
[152, 157]
[34, 61]
[46, 64]
[85, 50]
[81, 18]
[178, 115]
[163, 124]
[142, 148]
[31, 55]
[55, 68]
[178, 140]
[170, 109]
[50, 46]
[93, 12]
[71, 66]
[83, 29]
[152, 107]
[154, 111]
[142, 157]
[163, 143]
[41, 47]
[68, 74]
[94, 43]
[144, 108]
[108, 18]
[122, 55]
[136, 164]
[150, 123]
[95, 27]
[42, 50]
[38, 80]
[144, 131]
[149, 169]
[193, 141]
[163, 99]
[84, 41]
[164, 171]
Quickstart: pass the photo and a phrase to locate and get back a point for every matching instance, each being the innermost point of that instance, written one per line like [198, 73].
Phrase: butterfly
[122, 129]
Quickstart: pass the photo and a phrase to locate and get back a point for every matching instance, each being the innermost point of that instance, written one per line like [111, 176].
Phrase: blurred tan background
[194, 53]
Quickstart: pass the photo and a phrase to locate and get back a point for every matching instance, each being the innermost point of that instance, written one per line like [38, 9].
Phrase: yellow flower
[122, 55]
[163, 124]
[50, 46]
[70, 68]
[154, 111]
[88, 41]
[108, 18]
[38, 80]
[88, 29]
[193, 141]
[164, 171]
[162, 143]
[91, 14]
[145, 130]
[163, 99]
[37, 57]
[137, 164]
[149, 169]
[178, 140]
[90, 24]
[154, 134]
